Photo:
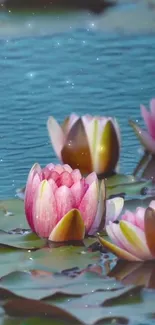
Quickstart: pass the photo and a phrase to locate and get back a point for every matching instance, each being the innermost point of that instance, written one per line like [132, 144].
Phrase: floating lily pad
[16, 216]
[27, 285]
[28, 241]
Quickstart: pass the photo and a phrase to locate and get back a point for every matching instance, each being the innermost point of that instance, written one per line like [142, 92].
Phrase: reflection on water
[136, 273]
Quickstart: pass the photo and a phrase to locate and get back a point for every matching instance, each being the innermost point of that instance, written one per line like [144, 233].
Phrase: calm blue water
[83, 71]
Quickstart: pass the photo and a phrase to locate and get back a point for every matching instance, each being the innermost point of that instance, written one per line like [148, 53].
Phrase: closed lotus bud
[62, 205]
[87, 143]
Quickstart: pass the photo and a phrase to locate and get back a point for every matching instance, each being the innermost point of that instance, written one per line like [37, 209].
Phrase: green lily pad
[28, 241]
[136, 188]
[27, 285]
[16, 216]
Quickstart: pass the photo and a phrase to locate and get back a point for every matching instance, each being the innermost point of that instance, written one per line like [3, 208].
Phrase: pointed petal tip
[119, 252]
[56, 135]
[69, 228]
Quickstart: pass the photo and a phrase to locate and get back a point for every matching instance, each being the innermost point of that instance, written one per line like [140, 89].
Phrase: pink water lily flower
[62, 206]
[133, 238]
[89, 143]
[147, 138]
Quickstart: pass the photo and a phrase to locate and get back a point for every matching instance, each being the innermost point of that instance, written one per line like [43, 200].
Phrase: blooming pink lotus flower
[62, 206]
[147, 139]
[87, 143]
[134, 236]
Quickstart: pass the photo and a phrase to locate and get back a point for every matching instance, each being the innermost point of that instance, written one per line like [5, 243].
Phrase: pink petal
[34, 179]
[50, 166]
[112, 229]
[59, 169]
[67, 168]
[100, 215]
[65, 179]
[91, 178]
[65, 201]
[149, 121]
[89, 204]
[54, 175]
[53, 185]
[129, 216]
[140, 212]
[145, 138]
[78, 189]
[46, 173]
[72, 120]
[44, 210]
[135, 240]
[76, 175]
[152, 106]
[56, 135]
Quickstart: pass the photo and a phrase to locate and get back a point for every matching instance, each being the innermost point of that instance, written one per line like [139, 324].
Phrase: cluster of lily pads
[54, 248]
[65, 203]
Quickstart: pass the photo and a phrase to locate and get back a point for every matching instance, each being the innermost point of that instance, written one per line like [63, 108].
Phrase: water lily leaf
[12, 215]
[119, 179]
[131, 189]
[65, 257]
[29, 307]
[11, 260]
[26, 285]
[28, 241]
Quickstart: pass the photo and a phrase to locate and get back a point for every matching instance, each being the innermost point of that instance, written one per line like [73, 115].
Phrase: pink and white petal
[99, 221]
[113, 231]
[89, 204]
[53, 185]
[67, 168]
[139, 214]
[152, 106]
[129, 216]
[59, 169]
[78, 190]
[149, 121]
[76, 175]
[136, 239]
[91, 178]
[65, 201]
[93, 136]
[113, 208]
[33, 181]
[152, 204]
[125, 243]
[146, 140]
[46, 173]
[65, 179]
[72, 120]
[44, 210]
[50, 166]
[56, 135]
[121, 253]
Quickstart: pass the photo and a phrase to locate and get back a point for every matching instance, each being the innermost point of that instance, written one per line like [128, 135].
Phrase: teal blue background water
[81, 70]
